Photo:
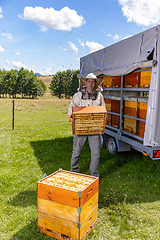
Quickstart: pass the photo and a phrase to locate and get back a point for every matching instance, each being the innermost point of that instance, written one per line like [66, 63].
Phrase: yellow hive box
[145, 79]
[107, 82]
[130, 125]
[67, 205]
[88, 120]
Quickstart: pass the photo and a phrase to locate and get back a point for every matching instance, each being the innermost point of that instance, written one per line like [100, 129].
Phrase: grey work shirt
[77, 101]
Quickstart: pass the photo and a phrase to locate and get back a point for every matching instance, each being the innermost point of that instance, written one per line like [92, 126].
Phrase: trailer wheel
[111, 145]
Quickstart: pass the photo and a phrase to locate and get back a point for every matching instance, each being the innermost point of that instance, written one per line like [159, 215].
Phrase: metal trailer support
[125, 143]
[122, 146]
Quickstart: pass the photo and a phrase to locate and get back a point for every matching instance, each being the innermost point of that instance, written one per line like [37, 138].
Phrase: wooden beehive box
[142, 110]
[141, 129]
[115, 106]
[108, 107]
[130, 125]
[145, 79]
[116, 82]
[131, 108]
[107, 82]
[115, 121]
[67, 205]
[108, 104]
[132, 80]
[88, 120]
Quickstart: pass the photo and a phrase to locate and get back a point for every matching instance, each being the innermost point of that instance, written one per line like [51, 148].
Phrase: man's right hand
[70, 119]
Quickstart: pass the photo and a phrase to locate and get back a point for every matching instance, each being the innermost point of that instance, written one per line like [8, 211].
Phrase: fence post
[13, 117]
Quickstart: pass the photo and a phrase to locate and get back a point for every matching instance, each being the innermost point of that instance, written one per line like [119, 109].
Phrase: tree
[64, 83]
[22, 82]
[56, 85]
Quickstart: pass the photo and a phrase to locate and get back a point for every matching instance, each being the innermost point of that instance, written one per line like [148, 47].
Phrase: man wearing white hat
[89, 94]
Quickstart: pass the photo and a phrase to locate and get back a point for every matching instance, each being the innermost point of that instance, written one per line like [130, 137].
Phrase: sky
[52, 35]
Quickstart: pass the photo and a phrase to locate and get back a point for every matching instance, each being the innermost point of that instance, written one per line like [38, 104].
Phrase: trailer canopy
[139, 51]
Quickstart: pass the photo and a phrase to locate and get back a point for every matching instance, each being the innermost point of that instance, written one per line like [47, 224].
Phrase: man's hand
[70, 119]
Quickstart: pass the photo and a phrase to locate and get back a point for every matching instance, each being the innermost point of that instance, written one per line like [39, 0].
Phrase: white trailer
[131, 88]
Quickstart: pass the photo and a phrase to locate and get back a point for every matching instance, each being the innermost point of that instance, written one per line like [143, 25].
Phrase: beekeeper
[89, 94]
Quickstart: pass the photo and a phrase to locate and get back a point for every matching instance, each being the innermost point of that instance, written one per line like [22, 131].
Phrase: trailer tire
[111, 145]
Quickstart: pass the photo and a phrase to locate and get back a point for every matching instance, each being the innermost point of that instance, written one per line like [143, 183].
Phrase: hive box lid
[68, 188]
[89, 109]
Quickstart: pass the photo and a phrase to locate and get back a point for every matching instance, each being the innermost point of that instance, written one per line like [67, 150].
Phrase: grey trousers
[94, 143]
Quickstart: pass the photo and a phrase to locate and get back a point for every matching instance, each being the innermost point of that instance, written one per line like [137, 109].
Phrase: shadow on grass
[24, 199]
[56, 153]
[53, 154]
[128, 176]
[30, 232]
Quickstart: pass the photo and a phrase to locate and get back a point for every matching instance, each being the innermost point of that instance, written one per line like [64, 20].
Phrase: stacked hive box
[136, 110]
[108, 107]
[113, 105]
[132, 80]
[111, 82]
[145, 79]
[130, 109]
[142, 111]
[138, 79]
[67, 205]
[88, 120]
[115, 109]
[133, 109]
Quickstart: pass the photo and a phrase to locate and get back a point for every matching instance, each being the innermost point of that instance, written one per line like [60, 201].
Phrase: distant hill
[37, 74]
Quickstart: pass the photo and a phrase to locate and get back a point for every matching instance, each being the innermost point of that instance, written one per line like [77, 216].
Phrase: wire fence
[12, 117]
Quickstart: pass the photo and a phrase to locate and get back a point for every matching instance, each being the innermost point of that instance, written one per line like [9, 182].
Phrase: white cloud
[116, 37]
[94, 46]
[18, 65]
[78, 59]
[81, 42]
[8, 35]
[73, 46]
[108, 35]
[17, 53]
[47, 71]
[65, 19]
[1, 16]
[2, 49]
[144, 12]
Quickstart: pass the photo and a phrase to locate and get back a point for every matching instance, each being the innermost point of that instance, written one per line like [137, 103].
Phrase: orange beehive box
[108, 104]
[132, 80]
[88, 120]
[142, 110]
[67, 205]
[115, 121]
[107, 82]
[130, 125]
[131, 108]
[108, 119]
[141, 129]
[145, 79]
[116, 82]
[108, 107]
[115, 106]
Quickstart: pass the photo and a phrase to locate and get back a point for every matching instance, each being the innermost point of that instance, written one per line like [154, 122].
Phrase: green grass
[129, 197]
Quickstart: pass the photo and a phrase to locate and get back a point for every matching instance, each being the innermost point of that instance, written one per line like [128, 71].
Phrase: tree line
[23, 82]
[64, 84]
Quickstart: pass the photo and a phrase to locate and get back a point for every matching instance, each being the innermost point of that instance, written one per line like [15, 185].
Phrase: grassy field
[40, 144]
[47, 80]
